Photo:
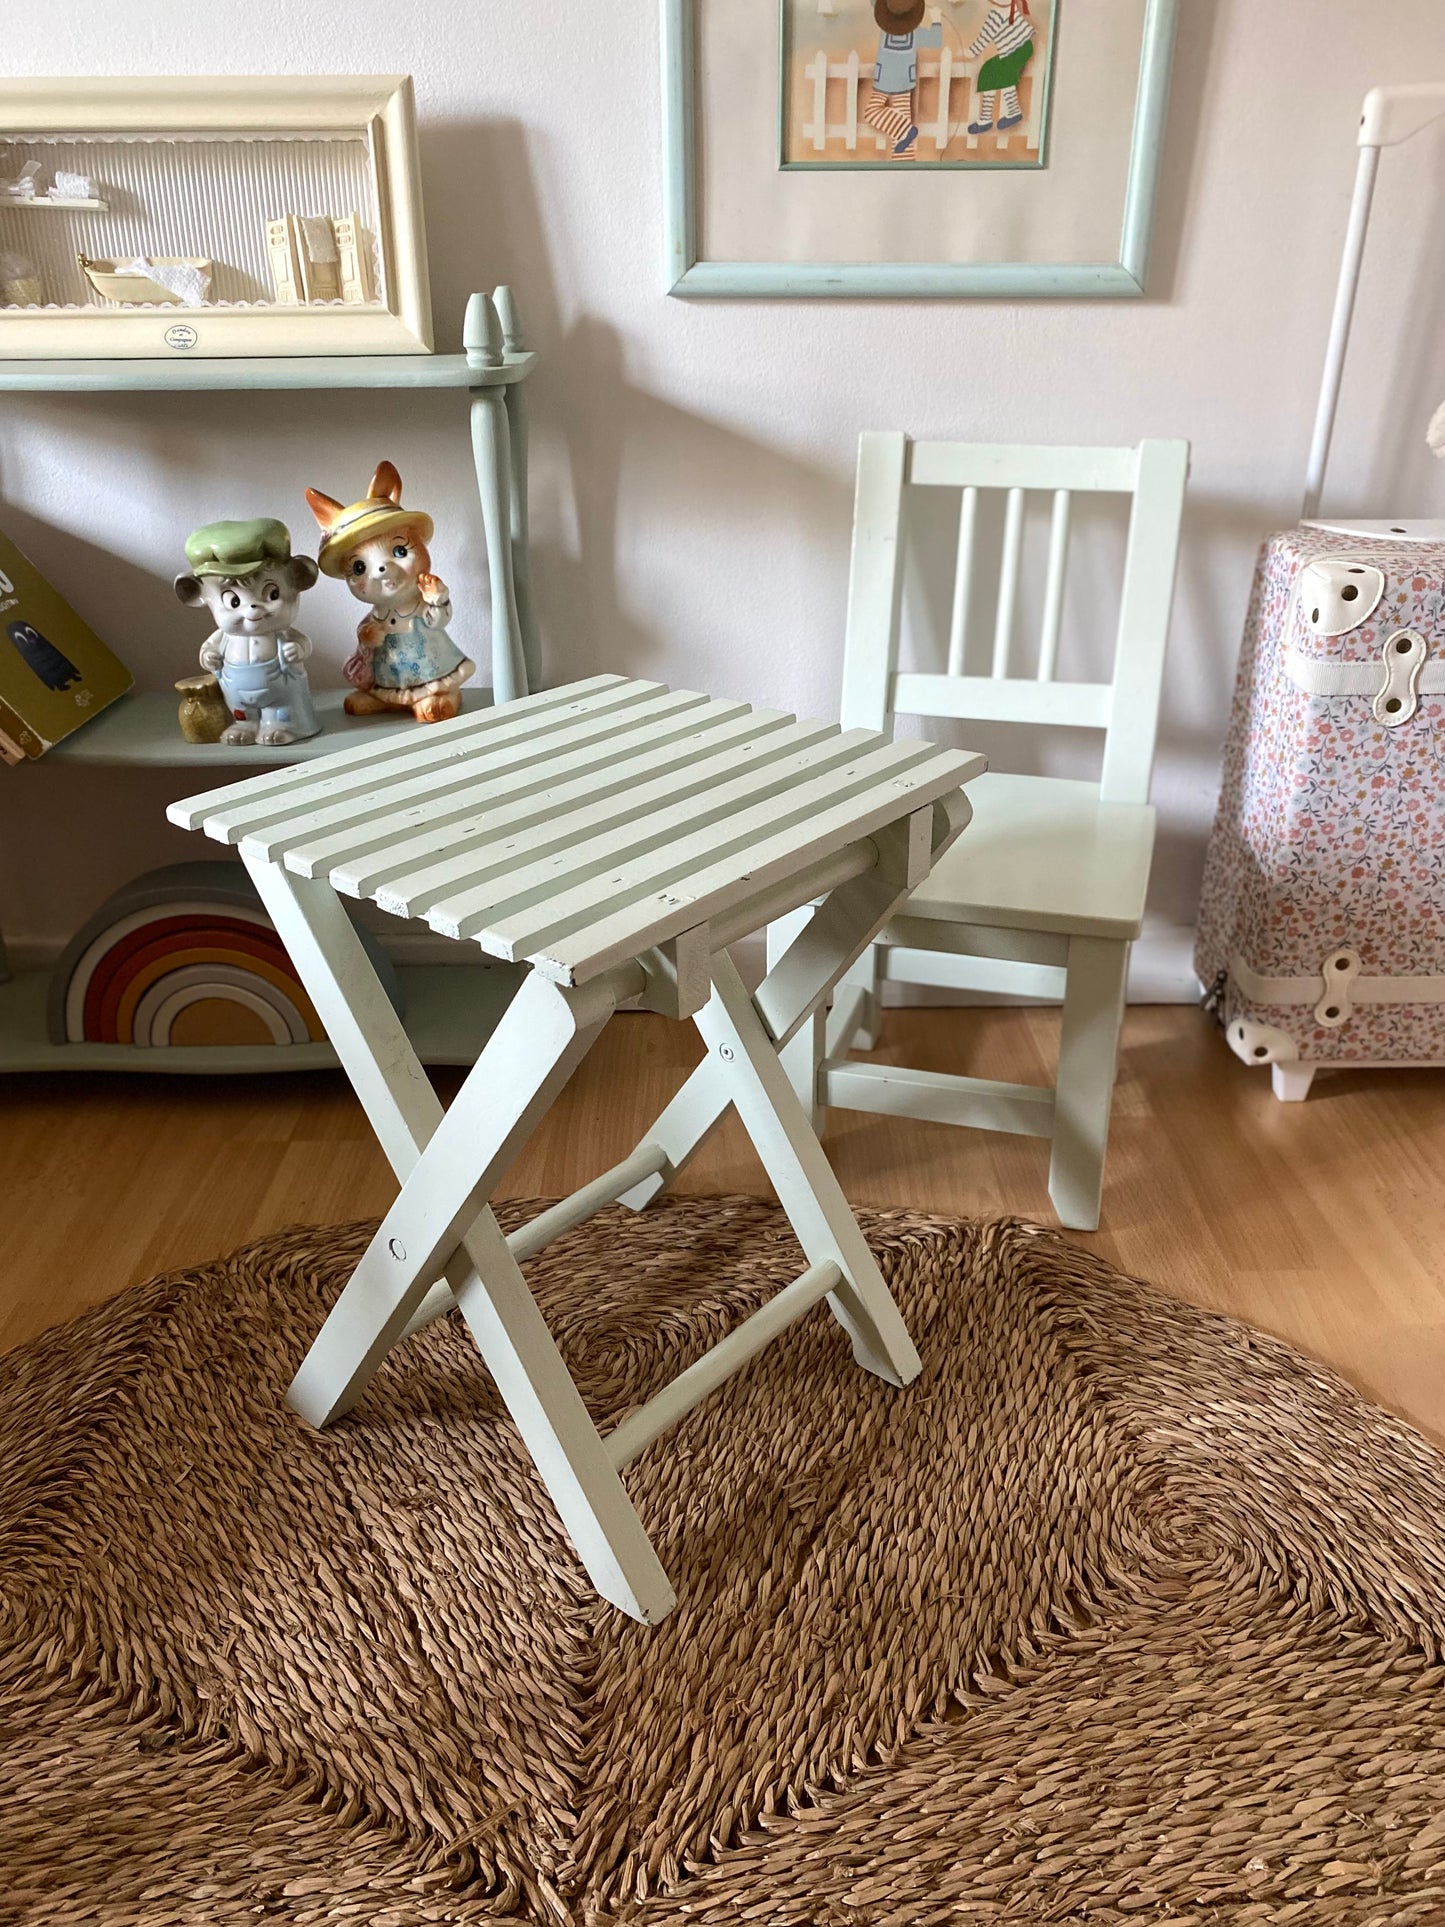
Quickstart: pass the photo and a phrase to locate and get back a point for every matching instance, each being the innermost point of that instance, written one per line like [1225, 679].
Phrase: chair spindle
[1054, 588]
[962, 583]
[1008, 582]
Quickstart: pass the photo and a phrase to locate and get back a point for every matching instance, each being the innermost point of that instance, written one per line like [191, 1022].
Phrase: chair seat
[1043, 853]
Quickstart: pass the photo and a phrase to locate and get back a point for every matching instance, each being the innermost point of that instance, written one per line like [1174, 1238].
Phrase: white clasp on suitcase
[1402, 658]
[1340, 971]
[1399, 674]
[1337, 594]
[1261, 1043]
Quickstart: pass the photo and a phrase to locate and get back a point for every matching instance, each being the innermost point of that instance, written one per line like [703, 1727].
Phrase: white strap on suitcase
[1390, 117]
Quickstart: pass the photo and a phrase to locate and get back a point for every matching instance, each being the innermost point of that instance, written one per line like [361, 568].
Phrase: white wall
[693, 465]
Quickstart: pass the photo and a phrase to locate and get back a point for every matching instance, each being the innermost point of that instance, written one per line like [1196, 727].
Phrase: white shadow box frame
[1079, 226]
[372, 116]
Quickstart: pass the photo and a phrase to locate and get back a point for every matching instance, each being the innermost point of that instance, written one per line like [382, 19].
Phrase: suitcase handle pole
[1390, 116]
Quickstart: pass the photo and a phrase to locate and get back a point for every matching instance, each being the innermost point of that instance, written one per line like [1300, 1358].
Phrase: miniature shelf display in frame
[205, 216]
[449, 1009]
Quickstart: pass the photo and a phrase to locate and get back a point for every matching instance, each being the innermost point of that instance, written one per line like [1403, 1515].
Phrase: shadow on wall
[647, 478]
[618, 474]
[606, 449]
[1191, 76]
[606, 452]
[1385, 397]
[99, 585]
[179, 460]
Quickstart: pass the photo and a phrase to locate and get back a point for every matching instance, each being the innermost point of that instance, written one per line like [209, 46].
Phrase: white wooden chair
[1046, 891]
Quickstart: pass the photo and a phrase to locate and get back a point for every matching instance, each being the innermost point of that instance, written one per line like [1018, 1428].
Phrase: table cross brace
[440, 1243]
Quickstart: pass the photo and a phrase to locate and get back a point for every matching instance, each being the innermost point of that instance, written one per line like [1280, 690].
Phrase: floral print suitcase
[1322, 925]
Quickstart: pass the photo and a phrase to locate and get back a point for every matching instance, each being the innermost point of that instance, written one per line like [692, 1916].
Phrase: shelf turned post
[492, 453]
[515, 392]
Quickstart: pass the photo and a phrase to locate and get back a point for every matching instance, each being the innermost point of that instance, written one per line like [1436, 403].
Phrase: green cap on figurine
[238, 548]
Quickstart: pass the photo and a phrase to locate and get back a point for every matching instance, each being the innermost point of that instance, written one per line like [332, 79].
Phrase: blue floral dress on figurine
[414, 654]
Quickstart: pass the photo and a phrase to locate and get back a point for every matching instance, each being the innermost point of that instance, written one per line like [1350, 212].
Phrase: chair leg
[866, 976]
[1084, 1094]
[806, 960]
[802, 1058]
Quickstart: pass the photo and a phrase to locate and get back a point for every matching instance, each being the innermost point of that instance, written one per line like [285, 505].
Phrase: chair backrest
[1126, 709]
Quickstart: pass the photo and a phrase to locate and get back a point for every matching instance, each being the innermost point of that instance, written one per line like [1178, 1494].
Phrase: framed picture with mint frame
[200, 216]
[907, 148]
[917, 90]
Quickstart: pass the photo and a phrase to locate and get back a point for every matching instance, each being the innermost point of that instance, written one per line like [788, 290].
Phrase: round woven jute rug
[1123, 1612]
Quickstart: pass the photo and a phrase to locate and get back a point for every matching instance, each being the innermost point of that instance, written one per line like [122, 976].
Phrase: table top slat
[841, 768]
[579, 827]
[589, 949]
[475, 731]
[600, 768]
[363, 819]
[582, 810]
[588, 872]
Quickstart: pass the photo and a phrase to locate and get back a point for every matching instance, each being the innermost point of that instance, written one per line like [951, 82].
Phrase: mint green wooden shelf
[491, 372]
[223, 373]
[142, 729]
[451, 1010]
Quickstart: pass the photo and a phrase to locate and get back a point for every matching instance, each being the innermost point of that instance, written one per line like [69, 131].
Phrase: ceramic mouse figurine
[246, 575]
[404, 657]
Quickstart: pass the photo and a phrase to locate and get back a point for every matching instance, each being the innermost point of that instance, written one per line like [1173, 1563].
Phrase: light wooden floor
[1323, 1222]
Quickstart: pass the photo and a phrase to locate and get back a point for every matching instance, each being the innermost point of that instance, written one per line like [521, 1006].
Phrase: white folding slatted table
[617, 836]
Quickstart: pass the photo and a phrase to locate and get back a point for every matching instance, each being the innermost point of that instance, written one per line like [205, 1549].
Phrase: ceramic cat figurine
[246, 575]
[404, 657]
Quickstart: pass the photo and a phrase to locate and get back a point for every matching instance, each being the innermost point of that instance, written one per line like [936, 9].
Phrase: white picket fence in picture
[947, 69]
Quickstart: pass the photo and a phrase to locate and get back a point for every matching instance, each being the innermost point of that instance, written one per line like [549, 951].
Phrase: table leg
[743, 1067]
[571, 1459]
[803, 1055]
[827, 944]
[519, 1351]
[542, 1037]
[539, 1042]
[359, 1018]
[808, 1191]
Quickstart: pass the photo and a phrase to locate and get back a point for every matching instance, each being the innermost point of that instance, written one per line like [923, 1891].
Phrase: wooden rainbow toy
[181, 956]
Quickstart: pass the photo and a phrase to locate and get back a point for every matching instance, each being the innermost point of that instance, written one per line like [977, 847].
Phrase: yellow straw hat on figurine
[379, 513]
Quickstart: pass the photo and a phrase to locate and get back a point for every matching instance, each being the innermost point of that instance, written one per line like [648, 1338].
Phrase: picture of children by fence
[895, 71]
[929, 83]
[1009, 35]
